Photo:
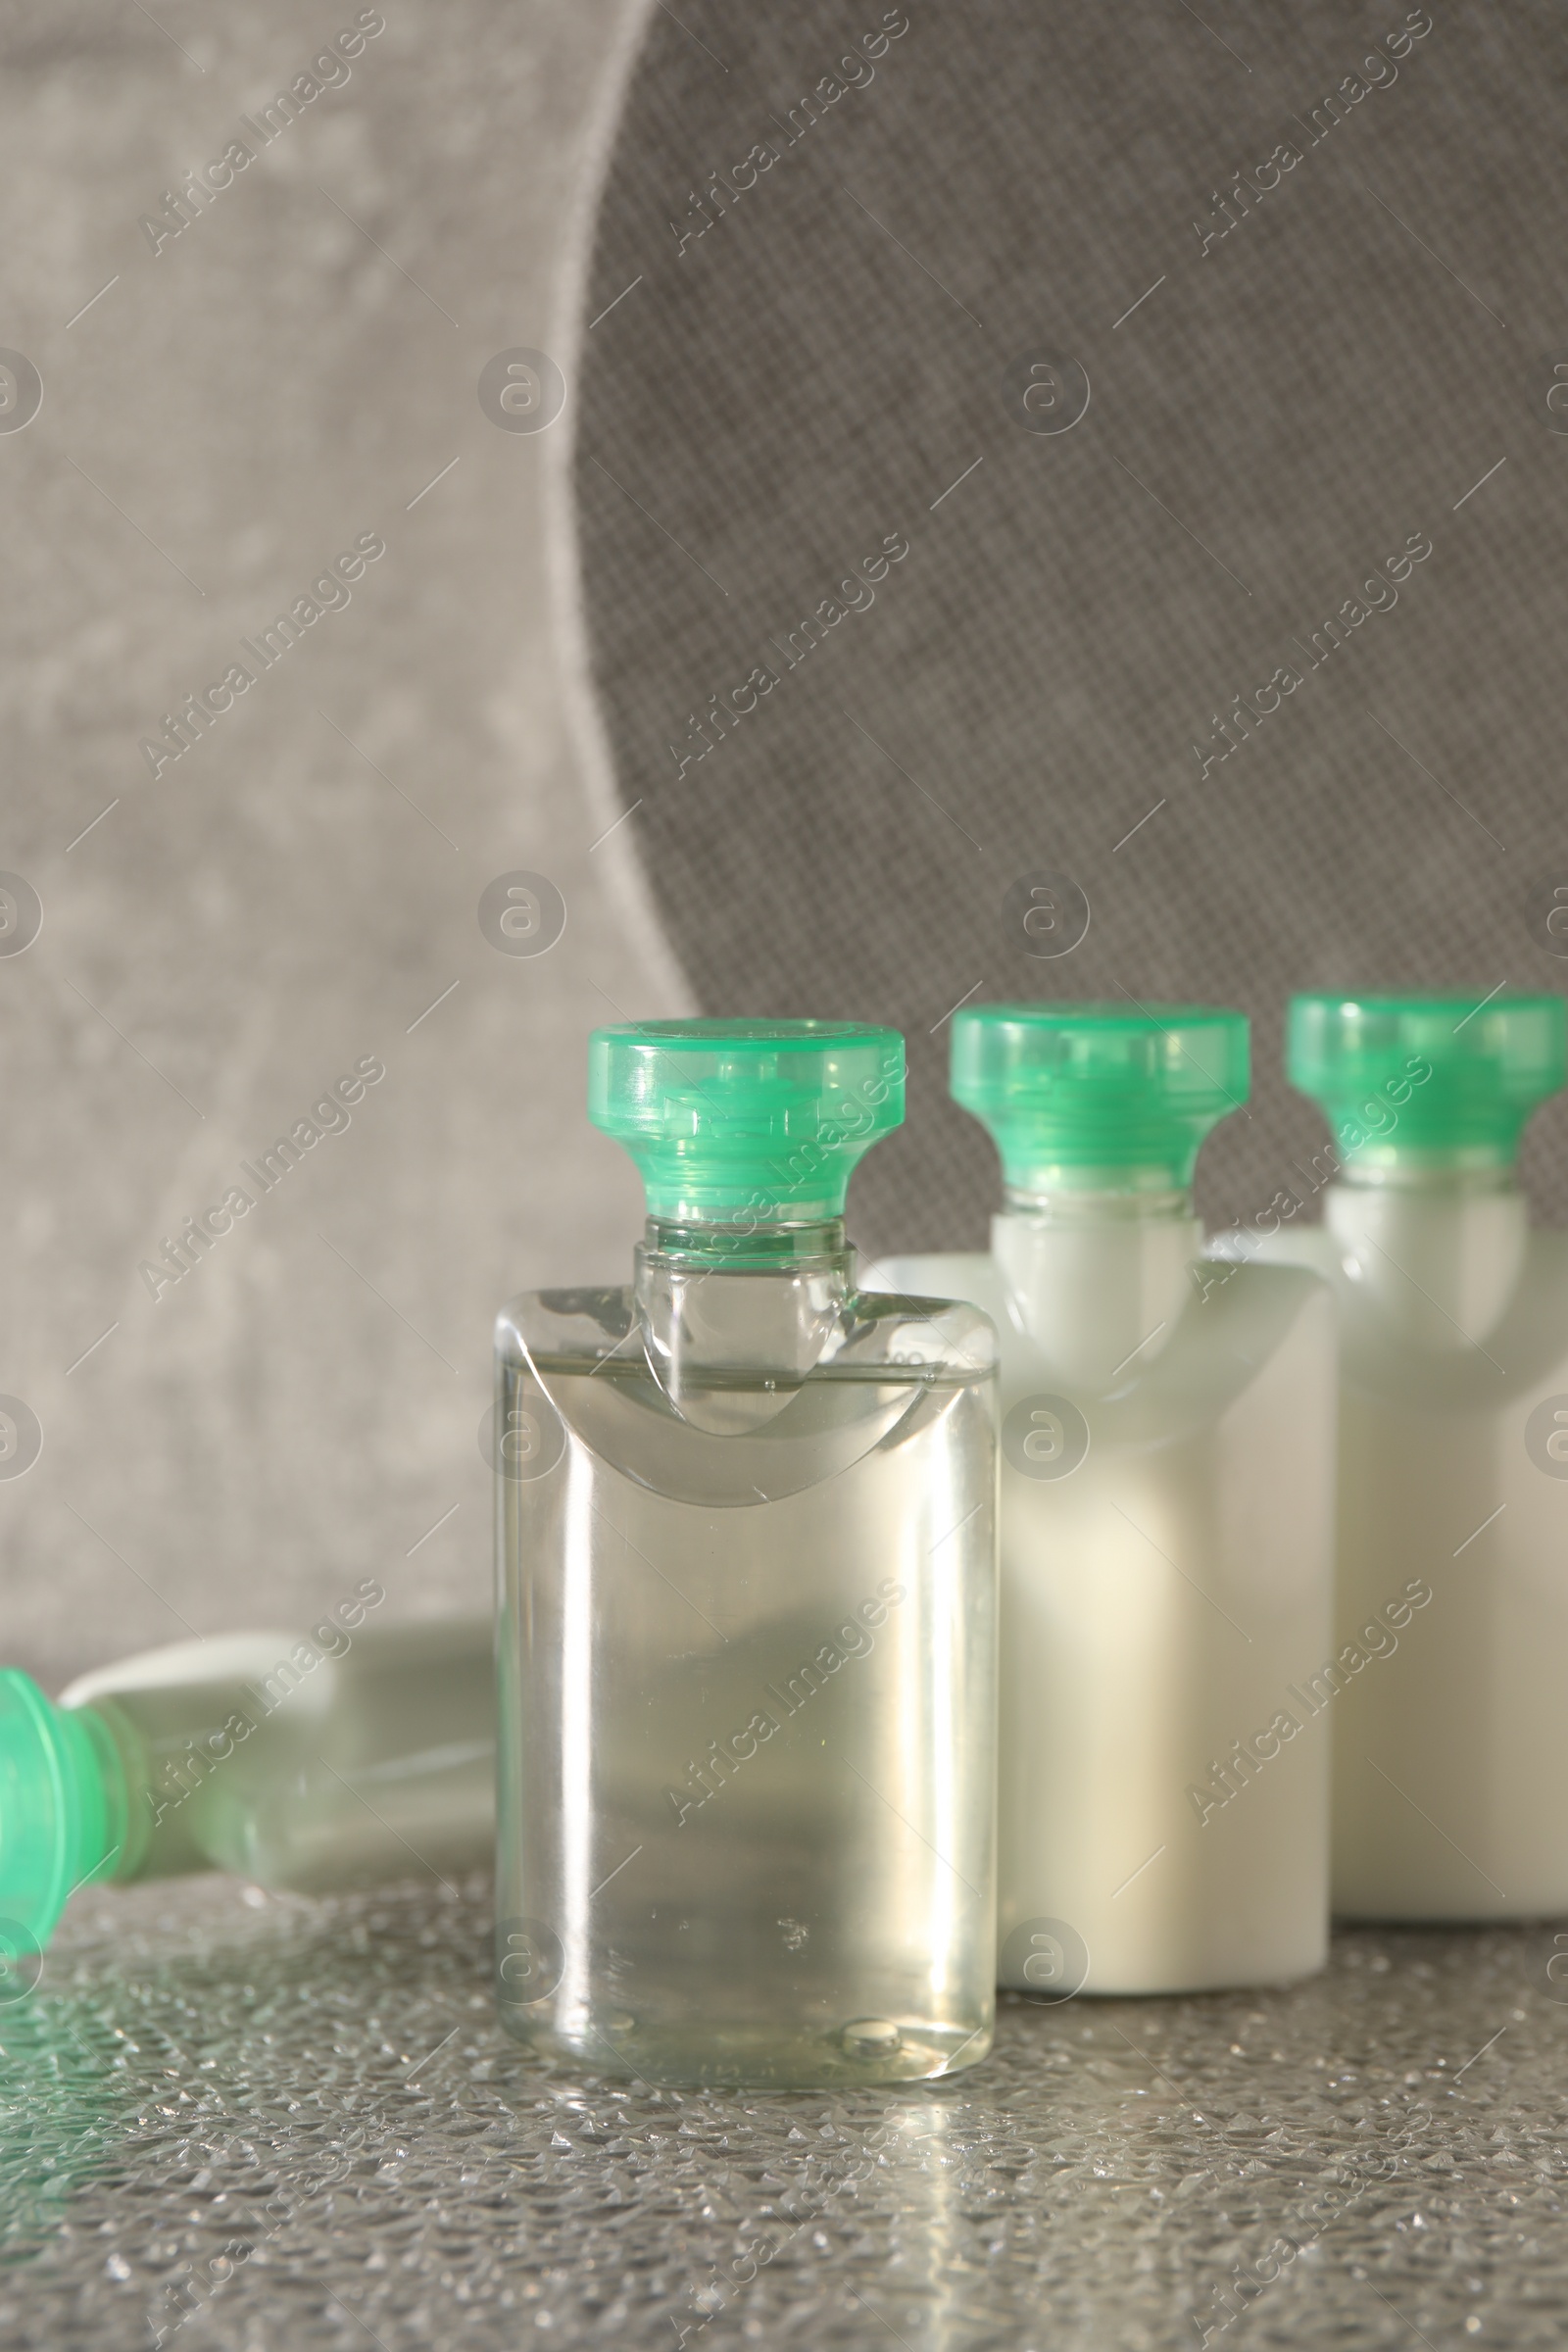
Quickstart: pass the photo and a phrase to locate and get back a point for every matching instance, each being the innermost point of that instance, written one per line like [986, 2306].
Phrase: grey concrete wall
[221, 943]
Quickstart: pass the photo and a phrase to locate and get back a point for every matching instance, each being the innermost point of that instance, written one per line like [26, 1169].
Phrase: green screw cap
[1099, 1098]
[1441, 1078]
[746, 1122]
[62, 1814]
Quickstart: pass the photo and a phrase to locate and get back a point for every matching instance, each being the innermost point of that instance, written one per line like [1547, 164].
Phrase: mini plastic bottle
[1166, 1517]
[1446, 1681]
[351, 1755]
[747, 1602]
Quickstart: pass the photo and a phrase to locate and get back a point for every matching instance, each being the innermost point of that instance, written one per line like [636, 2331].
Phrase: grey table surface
[237, 2120]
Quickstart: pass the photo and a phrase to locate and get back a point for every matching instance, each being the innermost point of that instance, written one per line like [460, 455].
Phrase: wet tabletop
[234, 2120]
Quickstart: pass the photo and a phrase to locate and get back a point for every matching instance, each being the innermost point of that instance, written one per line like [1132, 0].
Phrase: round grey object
[1555, 1969]
[867, 646]
[1044, 915]
[20, 914]
[522, 390]
[1547, 913]
[1547, 1437]
[1045, 1437]
[1045, 391]
[20, 391]
[1552, 377]
[522, 914]
[21, 1438]
[1043, 1960]
[529, 1441]
[21, 1962]
[529, 1961]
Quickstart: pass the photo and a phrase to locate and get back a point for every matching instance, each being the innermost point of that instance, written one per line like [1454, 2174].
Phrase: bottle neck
[117, 1831]
[734, 1317]
[1096, 1279]
[749, 1246]
[1480, 1171]
[1435, 1247]
[1135, 1204]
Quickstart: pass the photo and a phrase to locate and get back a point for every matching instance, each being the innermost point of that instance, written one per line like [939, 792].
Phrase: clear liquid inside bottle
[746, 1648]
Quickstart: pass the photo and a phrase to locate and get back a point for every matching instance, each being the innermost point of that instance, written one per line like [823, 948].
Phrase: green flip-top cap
[1105, 1097]
[62, 1814]
[1427, 1078]
[746, 1122]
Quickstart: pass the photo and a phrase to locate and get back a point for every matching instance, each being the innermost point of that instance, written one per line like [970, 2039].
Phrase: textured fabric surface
[827, 344]
[219, 418]
[300, 2125]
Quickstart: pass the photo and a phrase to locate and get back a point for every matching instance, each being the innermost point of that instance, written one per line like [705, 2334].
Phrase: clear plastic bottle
[1166, 1517]
[1445, 1682]
[347, 1756]
[747, 1603]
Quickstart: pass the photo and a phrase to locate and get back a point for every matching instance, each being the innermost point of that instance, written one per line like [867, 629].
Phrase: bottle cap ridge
[1098, 1097]
[1427, 1077]
[746, 1121]
[58, 1814]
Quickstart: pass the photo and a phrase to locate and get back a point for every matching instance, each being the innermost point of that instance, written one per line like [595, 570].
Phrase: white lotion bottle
[1447, 1686]
[1166, 1518]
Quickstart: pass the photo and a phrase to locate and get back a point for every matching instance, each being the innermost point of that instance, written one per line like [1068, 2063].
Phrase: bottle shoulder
[925, 1325]
[581, 1381]
[1292, 1280]
[970, 1277]
[181, 1665]
[577, 1328]
[1284, 1284]
[1308, 1247]
[1544, 1260]
[1230, 1328]
[1432, 1324]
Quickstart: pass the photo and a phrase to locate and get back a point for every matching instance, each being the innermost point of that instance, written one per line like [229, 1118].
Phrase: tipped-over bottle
[1167, 1446]
[341, 1757]
[748, 1573]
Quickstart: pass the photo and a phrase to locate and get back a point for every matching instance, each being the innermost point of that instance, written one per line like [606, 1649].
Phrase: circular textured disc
[1095, 443]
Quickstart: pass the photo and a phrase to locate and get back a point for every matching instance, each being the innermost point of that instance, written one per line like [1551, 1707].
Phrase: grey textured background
[230, 938]
[826, 360]
[751, 414]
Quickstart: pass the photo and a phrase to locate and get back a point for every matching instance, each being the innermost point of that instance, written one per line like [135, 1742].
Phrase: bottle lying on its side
[354, 1755]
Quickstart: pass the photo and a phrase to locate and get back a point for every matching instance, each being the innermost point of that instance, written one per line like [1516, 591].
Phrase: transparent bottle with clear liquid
[1447, 1678]
[346, 1756]
[746, 1520]
[1166, 1517]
